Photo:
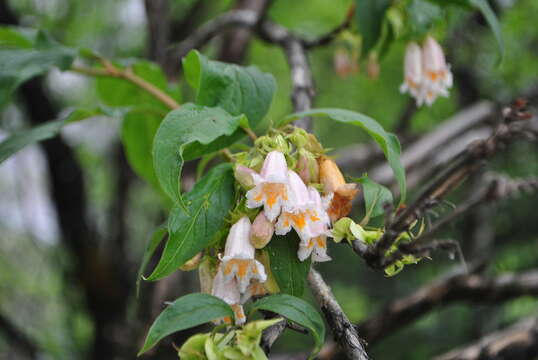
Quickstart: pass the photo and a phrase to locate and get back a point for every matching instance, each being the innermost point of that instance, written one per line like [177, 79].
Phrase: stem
[250, 133]
[127, 74]
[228, 155]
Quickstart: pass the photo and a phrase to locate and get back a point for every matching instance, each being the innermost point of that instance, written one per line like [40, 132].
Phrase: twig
[331, 35]
[519, 341]
[343, 331]
[111, 71]
[516, 124]
[455, 287]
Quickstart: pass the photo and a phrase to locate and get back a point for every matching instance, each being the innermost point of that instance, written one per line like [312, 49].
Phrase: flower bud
[344, 64]
[192, 263]
[244, 177]
[206, 273]
[261, 231]
[307, 168]
[330, 175]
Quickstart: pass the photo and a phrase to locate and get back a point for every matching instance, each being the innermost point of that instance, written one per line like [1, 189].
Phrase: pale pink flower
[228, 290]
[308, 217]
[261, 231]
[317, 247]
[238, 261]
[270, 189]
[412, 70]
[437, 77]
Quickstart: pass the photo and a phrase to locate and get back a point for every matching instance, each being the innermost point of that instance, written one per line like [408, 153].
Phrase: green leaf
[20, 139]
[191, 231]
[26, 58]
[387, 141]
[298, 311]
[370, 15]
[156, 238]
[236, 89]
[290, 273]
[422, 15]
[137, 134]
[185, 134]
[375, 197]
[117, 92]
[184, 313]
[493, 22]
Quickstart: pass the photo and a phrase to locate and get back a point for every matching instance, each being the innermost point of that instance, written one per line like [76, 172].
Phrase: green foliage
[185, 134]
[20, 139]
[23, 57]
[370, 15]
[375, 197]
[156, 238]
[137, 133]
[387, 141]
[117, 92]
[186, 312]
[236, 89]
[488, 13]
[298, 311]
[290, 273]
[422, 15]
[191, 229]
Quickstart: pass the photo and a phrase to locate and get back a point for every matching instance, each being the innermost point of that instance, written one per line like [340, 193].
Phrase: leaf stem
[228, 155]
[127, 74]
[250, 133]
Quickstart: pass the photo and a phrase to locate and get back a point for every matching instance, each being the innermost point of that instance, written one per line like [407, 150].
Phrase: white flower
[427, 75]
[317, 247]
[437, 77]
[228, 290]
[308, 216]
[412, 70]
[238, 261]
[270, 188]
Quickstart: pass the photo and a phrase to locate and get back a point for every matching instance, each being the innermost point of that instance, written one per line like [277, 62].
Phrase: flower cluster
[427, 75]
[288, 201]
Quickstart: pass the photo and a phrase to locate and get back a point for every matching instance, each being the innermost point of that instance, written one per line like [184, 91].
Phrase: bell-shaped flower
[317, 247]
[238, 261]
[261, 231]
[228, 290]
[270, 190]
[437, 77]
[413, 71]
[308, 216]
[244, 176]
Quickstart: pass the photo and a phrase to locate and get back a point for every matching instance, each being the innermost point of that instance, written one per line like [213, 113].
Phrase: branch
[343, 331]
[17, 339]
[301, 76]
[112, 71]
[516, 124]
[235, 42]
[157, 13]
[518, 342]
[456, 287]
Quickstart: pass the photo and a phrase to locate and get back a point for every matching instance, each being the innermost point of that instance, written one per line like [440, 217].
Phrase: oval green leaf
[192, 229]
[298, 311]
[184, 313]
[187, 133]
[236, 89]
[290, 273]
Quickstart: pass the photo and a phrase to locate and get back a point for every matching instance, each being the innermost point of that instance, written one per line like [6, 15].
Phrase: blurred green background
[49, 306]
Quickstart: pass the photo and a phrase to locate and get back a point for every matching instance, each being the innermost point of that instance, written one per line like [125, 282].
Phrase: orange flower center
[272, 191]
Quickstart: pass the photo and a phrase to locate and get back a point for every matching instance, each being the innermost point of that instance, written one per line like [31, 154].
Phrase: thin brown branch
[327, 38]
[127, 74]
[518, 342]
[516, 124]
[343, 331]
[458, 286]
